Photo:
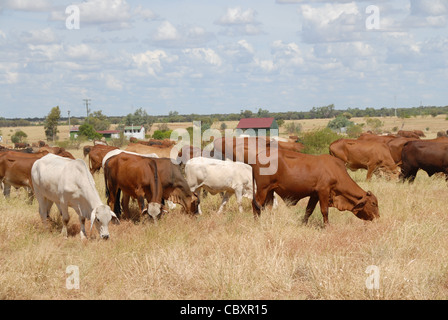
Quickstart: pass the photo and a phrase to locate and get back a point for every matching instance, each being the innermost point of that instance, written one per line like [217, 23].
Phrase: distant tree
[374, 124]
[98, 121]
[263, 113]
[18, 136]
[339, 122]
[139, 118]
[247, 114]
[51, 123]
[89, 132]
[293, 128]
[223, 126]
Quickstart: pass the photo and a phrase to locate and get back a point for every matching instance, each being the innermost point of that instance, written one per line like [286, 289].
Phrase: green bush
[160, 135]
[339, 122]
[318, 141]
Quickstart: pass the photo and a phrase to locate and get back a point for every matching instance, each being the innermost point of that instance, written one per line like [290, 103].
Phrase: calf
[217, 176]
[68, 183]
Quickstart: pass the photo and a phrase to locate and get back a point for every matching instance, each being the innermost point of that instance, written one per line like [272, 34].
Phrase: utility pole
[69, 123]
[87, 106]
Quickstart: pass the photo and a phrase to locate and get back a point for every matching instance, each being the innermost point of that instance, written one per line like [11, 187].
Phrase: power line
[87, 105]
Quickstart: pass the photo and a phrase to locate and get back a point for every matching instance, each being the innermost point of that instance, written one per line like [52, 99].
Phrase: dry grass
[232, 256]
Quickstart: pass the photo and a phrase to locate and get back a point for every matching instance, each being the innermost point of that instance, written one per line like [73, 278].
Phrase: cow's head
[101, 216]
[367, 207]
[153, 209]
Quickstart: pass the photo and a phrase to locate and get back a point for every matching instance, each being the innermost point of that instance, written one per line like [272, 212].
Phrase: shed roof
[249, 123]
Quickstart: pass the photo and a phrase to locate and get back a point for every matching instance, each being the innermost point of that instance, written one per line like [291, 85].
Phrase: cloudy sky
[220, 56]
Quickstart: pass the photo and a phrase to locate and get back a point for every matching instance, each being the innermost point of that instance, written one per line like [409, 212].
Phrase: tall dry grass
[233, 256]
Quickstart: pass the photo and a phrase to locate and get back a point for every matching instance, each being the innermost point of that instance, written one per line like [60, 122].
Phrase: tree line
[98, 121]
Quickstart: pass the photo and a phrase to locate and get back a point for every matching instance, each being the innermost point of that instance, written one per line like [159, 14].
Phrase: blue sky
[219, 56]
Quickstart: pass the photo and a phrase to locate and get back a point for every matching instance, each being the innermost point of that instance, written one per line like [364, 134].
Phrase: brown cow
[322, 178]
[15, 170]
[408, 134]
[57, 151]
[173, 185]
[136, 177]
[143, 149]
[430, 156]
[96, 154]
[364, 154]
[249, 147]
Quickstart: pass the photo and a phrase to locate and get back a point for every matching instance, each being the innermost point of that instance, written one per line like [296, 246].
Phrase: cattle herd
[157, 175]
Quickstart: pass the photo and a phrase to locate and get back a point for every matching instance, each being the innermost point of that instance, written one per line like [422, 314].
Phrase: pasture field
[233, 256]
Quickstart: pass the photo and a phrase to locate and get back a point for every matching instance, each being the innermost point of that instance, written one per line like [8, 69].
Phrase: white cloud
[26, 5]
[151, 61]
[109, 15]
[44, 36]
[203, 54]
[331, 22]
[168, 35]
[240, 22]
[112, 82]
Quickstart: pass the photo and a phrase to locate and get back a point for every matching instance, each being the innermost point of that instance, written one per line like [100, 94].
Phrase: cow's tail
[255, 205]
[106, 174]
[86, 151]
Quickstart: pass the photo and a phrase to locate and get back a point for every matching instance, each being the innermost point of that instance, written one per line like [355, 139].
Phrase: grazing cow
[322, 178]
[58, 151]
[364, 154]
[153, 179]
[164, 152]
[15, 170]
[396, 146]
[96, 154]
[118, 151]
[136, 177]
[68, 183]
[217, 176]
[408, 134]
[429, 156]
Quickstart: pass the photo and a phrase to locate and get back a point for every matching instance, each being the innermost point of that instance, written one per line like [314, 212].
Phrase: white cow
[68, 183]
[217, 176]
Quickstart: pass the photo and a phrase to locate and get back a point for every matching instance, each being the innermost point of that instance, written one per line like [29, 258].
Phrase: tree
[98, 121]
[18, 136]
[339, 122]
[139, 118]
[51, 123]
[89, 132]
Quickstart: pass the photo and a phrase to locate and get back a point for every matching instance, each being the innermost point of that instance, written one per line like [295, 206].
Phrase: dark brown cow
[322, 178]
[21, 145]
[429, 156]
[364, 154]
[96, 154]
[15, 170]
[135, 177]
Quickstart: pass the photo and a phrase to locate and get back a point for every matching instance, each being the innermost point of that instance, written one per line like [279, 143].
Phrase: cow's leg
[44, 210]
[198, 192]
[6, 189]
[323, 203]
[370, 171]
[239, 199]
[312, 202]
[125, 204]
[225, 199]
[82, 222]
[30, 195]
[259, 201]
[63, 209]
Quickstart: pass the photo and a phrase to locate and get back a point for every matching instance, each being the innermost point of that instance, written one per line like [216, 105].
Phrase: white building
[137, 132]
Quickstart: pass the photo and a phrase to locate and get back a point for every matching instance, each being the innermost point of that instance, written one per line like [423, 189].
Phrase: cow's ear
[369, 193]
[359, 206]
[115, 219]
